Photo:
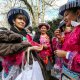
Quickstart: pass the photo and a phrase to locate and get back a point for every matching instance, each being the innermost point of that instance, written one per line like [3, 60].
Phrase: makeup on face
[21, 17]
[19, 21]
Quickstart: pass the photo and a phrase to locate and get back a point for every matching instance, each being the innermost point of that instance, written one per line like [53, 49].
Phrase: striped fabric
[69, 75]
[69, 5]
[14, 11]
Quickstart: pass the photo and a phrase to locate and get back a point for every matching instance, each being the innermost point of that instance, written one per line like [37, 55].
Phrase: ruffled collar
[74, 23]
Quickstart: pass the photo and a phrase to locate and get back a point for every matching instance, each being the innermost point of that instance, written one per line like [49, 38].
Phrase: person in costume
[43, 38]
[19, 19]
[57, 41]
[71, 48]
[11, 43]
[45, 41]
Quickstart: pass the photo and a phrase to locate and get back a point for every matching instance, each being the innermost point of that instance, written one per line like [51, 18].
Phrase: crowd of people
[59, 56]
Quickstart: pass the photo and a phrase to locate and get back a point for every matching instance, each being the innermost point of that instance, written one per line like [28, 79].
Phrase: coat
[10, 44]
[72, 44]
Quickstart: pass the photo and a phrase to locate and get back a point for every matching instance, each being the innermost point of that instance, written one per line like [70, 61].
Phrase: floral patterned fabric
[45, 53]
[56, 45]
[58, 61]
[72, 44]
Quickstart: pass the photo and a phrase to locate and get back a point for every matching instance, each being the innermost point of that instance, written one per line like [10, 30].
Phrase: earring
[14, 24]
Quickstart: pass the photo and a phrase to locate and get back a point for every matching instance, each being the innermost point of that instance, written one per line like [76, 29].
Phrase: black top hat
[69, 5]
[15, 11]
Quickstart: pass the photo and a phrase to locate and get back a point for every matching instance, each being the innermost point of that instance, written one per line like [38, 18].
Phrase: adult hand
[26, 43]
[36, 48]
[60, 53]
[45, 46]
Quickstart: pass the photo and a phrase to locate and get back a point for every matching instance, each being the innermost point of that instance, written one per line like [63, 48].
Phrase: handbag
[30, 72]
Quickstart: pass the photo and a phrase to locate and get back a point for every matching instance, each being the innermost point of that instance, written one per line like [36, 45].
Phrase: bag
[26, 74]
[37, 73]
[30, 72]
[68, 74]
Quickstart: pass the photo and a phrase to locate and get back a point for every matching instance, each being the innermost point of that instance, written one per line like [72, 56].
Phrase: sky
[51, 13]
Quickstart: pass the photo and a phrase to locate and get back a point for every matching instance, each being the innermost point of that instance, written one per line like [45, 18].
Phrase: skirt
[68, 74]
[13, 73]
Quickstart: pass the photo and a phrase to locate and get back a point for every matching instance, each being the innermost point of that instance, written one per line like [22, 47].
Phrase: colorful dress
[72, 45]
[11, 67]
[11, 52]
[56, 44]
[45, 53]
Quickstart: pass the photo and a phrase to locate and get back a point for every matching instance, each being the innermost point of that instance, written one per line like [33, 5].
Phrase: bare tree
[5, 6]
[36, 8]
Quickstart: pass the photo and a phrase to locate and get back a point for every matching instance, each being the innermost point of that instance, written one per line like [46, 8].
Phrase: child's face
[43, 29]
